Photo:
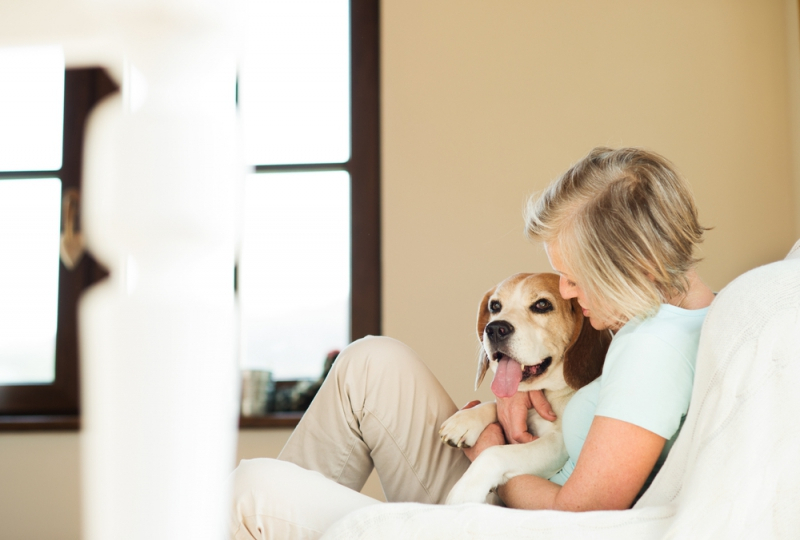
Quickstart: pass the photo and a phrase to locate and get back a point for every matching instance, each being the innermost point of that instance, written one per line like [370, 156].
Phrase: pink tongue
[506, 378]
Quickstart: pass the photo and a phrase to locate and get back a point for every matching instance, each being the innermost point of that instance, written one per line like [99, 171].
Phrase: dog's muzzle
[498, 331]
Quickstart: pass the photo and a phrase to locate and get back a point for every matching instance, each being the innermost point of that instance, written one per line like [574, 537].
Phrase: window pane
[30, 213]
[31, 108]
[294, 85]
[294, 278]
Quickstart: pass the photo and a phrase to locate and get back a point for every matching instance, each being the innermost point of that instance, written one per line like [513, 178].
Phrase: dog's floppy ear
[583, 361]
[483, 367]
[483, 320]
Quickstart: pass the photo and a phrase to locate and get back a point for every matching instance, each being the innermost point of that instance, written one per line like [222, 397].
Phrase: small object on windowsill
[257, 390]
[285, 401]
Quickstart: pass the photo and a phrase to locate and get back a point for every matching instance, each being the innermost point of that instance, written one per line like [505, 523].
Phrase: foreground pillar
[157, 339]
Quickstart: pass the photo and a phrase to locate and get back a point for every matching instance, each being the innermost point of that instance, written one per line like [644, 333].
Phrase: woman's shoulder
[670, 324]
[649, 371]
[668, 340]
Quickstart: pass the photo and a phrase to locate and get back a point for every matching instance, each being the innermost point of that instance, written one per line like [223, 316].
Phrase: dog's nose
[498, 331]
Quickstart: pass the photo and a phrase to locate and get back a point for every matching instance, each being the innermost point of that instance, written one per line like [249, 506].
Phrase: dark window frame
[57, 405]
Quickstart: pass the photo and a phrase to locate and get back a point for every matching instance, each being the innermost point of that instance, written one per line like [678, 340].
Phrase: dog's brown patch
[587, 352]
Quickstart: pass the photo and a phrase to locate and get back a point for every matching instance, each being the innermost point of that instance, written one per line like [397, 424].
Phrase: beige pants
[380, 406]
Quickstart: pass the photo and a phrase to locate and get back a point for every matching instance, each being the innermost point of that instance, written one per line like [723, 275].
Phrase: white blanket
[734, 471]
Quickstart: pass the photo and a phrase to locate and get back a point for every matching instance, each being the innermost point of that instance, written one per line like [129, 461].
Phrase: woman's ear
[483, 319]
[583, 361]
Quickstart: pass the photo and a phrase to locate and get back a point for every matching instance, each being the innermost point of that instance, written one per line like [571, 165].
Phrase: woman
[620, 227]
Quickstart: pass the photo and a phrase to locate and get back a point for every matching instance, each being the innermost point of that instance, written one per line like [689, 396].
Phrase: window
[41, 163]
[309, 277]
[345, 182]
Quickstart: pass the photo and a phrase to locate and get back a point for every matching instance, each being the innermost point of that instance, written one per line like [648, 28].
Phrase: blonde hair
[625, 224]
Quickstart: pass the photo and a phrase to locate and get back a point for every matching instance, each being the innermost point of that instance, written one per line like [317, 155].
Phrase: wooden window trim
[364, 168]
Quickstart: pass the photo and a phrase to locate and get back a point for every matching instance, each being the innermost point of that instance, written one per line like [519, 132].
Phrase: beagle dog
[532, 339]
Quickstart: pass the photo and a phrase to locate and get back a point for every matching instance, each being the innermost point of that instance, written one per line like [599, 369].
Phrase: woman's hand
[541, 405]
[513, 414]
[492, 435]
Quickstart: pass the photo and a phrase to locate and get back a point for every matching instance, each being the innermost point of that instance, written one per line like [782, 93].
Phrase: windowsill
[73, 422]
[274, 420]
[59, 422]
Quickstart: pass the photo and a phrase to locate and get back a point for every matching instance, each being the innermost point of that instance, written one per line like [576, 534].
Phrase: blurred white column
[158, 339]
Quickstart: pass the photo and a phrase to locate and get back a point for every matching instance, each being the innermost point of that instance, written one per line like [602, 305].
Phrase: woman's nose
[566, 290]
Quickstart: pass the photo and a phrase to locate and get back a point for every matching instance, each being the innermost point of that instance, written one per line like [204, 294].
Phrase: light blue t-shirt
[646, 380]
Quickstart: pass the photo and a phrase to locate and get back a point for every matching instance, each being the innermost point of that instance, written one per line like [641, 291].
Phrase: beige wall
[484, 103]
[793, 58]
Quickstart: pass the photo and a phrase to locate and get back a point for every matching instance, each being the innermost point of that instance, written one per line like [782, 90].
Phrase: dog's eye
[495, 306]
[542, 306]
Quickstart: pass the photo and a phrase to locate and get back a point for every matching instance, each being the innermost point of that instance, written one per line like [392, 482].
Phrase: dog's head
[534, 339]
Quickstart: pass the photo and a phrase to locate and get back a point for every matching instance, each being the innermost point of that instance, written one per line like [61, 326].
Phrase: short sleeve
[646, 382]
[575, 425]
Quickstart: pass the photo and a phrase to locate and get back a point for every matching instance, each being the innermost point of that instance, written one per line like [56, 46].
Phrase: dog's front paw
[463, 428]
[486, 473]
[469, 490]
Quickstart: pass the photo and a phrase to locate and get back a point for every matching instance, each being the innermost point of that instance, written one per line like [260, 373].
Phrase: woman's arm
[613, 465]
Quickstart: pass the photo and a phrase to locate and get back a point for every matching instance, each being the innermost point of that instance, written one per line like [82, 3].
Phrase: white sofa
[734, 471]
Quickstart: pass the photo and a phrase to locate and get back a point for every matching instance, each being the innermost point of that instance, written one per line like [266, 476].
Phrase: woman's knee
[252, 473]
[261, 483]
[247, 484]
[373, 354]
[277, 499]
